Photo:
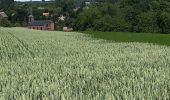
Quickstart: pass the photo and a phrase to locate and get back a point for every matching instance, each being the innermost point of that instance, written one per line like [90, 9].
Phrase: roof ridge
[40, 22]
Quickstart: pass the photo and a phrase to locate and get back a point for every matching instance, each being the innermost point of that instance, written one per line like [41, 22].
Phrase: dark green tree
[5, 4]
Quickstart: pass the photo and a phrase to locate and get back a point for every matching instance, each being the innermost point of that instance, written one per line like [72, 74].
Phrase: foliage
[148, 22]
[105, 17]
[130, 15]
[5, 4]
[163, 21]
[5, 23]
[87, 18]
[123, 15]
[43, 65]
[104, 24]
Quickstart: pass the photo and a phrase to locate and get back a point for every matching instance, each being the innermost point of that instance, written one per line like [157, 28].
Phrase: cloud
[29, 0]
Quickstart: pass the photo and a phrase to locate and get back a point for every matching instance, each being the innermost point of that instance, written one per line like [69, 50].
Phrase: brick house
[41, 25]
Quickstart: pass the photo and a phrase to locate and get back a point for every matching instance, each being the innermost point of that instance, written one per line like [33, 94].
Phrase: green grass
[154, 38]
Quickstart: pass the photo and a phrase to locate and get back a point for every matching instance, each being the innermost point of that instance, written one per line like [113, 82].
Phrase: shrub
[5, 23]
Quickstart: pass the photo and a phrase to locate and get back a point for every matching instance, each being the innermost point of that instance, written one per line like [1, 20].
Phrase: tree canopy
[98, 15]
[4, 4]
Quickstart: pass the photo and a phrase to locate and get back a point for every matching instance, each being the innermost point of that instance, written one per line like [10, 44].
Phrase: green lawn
[155, 38]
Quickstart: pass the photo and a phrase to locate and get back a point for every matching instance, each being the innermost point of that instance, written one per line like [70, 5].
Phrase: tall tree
[163, 15]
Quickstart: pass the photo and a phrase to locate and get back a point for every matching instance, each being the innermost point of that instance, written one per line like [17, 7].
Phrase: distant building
[46, 14]
[62, 18]
[39, 24]
[67, 29]
[3, 16]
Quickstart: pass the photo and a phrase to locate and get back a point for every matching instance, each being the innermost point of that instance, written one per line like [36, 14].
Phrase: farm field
[154, 38]
[43, 65]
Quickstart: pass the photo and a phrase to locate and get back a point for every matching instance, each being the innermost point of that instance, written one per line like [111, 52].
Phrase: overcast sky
[29, 0]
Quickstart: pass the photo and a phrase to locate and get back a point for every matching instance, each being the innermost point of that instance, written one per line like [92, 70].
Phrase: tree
[5, 4]
[148, 22]
[105, 15]
[66, 5]
[162, 10]
[87, 18]
[163, 21]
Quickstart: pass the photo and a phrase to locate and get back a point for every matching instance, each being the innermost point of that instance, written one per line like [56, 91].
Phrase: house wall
[52, 26]
[49, 26]
[37, 27]
[1, 17]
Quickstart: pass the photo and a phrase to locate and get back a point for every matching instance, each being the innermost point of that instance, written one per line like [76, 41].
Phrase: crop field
[43, 65]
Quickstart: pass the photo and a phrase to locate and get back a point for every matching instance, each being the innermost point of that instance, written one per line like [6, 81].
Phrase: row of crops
[43, 65]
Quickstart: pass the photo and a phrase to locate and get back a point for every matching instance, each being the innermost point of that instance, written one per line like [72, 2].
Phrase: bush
[104, 24]
[5, 23]
[17, 24]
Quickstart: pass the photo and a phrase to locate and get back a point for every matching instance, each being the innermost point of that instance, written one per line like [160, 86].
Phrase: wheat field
[43, 65]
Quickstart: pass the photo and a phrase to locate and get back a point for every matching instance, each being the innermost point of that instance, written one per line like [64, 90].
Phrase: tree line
[97, 15]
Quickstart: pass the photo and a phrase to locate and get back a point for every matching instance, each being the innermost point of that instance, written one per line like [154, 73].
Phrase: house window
[46, 25]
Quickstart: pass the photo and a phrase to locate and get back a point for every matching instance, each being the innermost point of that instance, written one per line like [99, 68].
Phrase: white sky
[29, 0]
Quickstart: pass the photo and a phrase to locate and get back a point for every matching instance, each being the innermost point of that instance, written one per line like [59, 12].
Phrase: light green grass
[154, 38]
[43, 65]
